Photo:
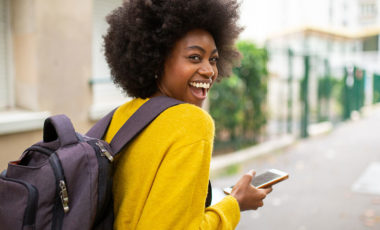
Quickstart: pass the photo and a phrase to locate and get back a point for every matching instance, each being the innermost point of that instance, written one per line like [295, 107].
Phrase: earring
[156, 76]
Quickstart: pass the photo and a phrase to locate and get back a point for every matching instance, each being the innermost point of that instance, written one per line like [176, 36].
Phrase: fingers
[252, 172]
[267, 190]
[247, 178]
[248, 196]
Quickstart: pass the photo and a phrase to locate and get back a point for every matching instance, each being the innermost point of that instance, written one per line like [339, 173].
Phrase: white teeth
[200, 85]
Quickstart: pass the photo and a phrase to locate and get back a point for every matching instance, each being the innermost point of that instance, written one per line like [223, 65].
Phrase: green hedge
[238, 103]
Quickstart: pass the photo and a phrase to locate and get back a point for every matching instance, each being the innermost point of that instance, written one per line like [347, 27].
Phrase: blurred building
[347, 36]
[51, 62]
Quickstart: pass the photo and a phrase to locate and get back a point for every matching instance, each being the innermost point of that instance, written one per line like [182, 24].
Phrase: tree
[238, 103]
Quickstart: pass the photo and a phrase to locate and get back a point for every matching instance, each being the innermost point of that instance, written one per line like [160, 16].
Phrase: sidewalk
[220, 163]
[333, 180]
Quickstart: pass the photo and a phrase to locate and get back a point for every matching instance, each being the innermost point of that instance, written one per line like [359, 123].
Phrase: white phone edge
[228, 190]
[279, 172]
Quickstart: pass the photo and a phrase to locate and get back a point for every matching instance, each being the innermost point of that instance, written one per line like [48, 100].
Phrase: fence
[308, 89]
[376, 88]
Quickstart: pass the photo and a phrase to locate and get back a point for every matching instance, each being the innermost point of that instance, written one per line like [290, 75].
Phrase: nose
[207, 70]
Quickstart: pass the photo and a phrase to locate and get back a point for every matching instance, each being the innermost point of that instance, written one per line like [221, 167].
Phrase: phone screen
[264, 178]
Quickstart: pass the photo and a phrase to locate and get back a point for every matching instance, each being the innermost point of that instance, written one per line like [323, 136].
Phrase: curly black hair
[142, 33]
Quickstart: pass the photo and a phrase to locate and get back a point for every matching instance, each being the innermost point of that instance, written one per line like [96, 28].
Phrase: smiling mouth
[200, 85]
[200, 89]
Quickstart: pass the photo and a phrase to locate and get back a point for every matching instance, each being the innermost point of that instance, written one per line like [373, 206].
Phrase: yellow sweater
[161, 177]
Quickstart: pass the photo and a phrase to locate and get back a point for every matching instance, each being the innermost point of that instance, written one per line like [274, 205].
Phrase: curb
[220, 163]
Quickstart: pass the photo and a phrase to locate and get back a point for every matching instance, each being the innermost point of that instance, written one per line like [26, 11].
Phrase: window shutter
[101, 10]
[4, 73]
[104, 91]
[106, 95]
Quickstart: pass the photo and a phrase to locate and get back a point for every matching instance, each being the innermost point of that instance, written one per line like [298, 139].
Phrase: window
[12, 119]
[105, 95]
[5, 87]
[368, 9]
[371, 43]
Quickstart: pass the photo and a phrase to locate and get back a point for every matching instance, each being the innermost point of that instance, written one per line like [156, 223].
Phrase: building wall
[51, 56]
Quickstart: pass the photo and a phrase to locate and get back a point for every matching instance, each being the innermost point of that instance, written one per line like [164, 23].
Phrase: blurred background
[304, 99]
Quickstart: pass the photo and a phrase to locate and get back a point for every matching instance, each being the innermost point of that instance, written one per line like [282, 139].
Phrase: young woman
[177, 48]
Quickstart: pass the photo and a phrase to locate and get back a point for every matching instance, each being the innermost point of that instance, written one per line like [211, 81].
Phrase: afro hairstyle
[142, 33]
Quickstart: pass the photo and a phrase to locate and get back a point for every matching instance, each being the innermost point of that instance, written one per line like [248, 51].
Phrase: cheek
[182, 74]
[176, 80]
[216, 74]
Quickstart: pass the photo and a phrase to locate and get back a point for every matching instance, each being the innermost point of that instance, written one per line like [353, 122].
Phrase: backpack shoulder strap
[141, 119]
[135, 124]
[100, 128]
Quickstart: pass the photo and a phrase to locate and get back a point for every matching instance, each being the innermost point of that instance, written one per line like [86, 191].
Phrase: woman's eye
[214, 60]
[195, 58]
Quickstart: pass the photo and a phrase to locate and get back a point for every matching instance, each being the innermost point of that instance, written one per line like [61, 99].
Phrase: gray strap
[135, 124]
[140, 119]
[100, 128]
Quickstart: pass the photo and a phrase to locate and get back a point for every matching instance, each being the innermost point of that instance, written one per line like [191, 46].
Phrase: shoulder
[186, 119]
[187, 113]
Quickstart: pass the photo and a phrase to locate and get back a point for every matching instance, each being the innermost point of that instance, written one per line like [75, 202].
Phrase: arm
[177, 197]
[223, 215]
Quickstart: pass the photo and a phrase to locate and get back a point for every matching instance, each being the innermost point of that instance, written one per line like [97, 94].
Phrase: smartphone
[264, 180]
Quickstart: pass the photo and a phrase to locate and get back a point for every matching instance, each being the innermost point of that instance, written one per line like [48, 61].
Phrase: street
[334, 181]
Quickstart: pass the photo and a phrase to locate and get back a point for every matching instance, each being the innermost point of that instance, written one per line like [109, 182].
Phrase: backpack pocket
[18, 204]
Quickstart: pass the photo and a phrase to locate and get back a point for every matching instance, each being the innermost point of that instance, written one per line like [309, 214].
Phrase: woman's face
[190, 69]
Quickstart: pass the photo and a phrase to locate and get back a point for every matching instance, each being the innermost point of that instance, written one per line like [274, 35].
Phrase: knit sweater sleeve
[177, 197]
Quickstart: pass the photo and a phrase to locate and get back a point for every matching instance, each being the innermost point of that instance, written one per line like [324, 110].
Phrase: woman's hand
[249, 197]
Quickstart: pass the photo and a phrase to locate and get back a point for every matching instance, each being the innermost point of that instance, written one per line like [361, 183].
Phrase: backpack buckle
[64, 196]
[104, 151]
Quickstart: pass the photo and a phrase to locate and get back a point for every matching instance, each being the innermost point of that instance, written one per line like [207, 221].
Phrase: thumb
[252, 172]
[247, 178]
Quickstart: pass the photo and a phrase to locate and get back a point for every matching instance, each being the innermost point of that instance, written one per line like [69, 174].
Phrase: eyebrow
[201, 49]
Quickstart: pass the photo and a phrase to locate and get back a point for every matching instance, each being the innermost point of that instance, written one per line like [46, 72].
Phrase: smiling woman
[142, 35]
[178, 49]
[190, 69]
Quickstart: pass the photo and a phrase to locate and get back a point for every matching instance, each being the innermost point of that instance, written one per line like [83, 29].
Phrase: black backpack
[65, 181]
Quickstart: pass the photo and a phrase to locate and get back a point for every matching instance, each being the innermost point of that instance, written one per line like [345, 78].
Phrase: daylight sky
[262, 18]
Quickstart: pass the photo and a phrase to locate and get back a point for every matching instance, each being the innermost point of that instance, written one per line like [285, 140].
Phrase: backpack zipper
[104, 184]
[32, 202]
[63, 195]
[60, 181]
[104, 151]
[61, 205]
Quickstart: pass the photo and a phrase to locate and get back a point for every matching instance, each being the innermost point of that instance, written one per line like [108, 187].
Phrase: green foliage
[376, 88]
[329, 88]
[325, 86]
[226, 106]
[238, 103]
[376, 97]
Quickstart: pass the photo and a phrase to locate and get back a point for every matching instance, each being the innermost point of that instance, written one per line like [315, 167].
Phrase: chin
[195, 102]
[199, 104]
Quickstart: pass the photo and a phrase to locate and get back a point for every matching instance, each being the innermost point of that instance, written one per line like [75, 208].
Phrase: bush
[238, 103]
